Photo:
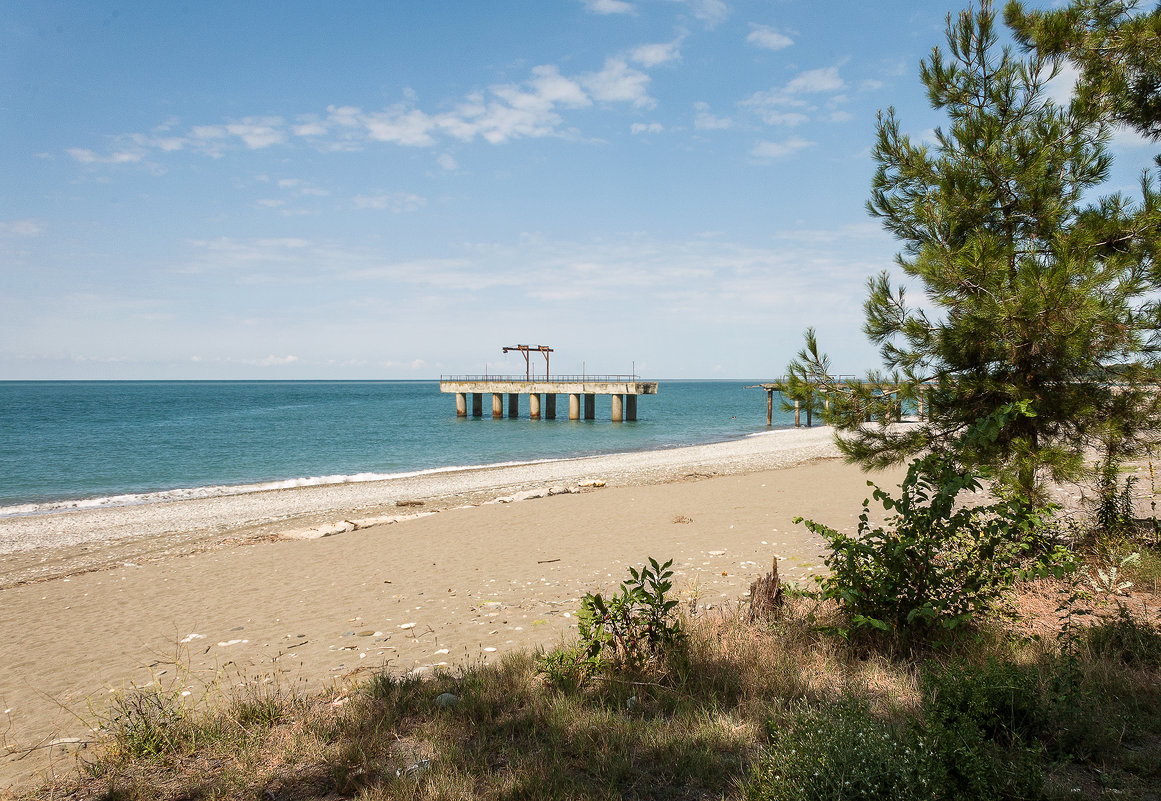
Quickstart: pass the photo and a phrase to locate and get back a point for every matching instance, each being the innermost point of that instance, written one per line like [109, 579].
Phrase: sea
[78, 444]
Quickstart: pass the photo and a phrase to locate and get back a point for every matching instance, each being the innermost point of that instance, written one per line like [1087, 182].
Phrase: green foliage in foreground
[933, 566]
[631, 628]
[972, 740]
[773, 710]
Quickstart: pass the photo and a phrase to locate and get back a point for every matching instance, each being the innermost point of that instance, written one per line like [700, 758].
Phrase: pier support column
[796, 413]
[618, 407]
[477, 404]
[497, 404]
[550, 406]
[573, 406]
[770, 407]
[590, 406]
[631, 408]
[461, 405]
[534, 406]
[513, 404]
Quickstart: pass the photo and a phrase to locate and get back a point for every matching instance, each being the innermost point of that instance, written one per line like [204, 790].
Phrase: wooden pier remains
[580, 389]
[841, 384]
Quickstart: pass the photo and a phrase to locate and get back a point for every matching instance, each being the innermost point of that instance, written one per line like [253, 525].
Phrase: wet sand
[313, 586]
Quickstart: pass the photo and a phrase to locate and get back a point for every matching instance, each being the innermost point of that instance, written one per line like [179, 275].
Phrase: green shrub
[933, 566]
[844, 752]
[631, 628]
[1127, 639]
[975, 739]
[984, 722]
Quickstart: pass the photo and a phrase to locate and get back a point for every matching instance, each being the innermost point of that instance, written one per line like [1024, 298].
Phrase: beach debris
[406, 625]
[765, 595]
[592, 483]
[227, 643]
[445, 700]
[409, 503]
[411, 770]
[542, 562]
[542, 492]
[191, 638]
[682, 519]
[343, 526]
[716, 553]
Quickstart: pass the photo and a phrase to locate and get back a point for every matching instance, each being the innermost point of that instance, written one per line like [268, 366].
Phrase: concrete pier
[623, 391]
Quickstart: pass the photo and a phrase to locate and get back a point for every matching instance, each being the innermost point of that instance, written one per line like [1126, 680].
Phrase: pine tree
[805, 377]
[1116, 49]
[1035, 336]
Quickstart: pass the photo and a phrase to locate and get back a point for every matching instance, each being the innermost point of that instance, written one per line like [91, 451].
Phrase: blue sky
[279, 190]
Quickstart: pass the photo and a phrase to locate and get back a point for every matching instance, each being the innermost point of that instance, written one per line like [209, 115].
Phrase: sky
[397, 190]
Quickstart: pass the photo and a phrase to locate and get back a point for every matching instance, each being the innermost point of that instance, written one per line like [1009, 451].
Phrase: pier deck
[623, 389]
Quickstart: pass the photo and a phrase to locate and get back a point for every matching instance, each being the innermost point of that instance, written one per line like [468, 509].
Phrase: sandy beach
[316, 585]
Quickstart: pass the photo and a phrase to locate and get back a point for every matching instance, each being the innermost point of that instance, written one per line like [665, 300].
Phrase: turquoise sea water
[88, 443]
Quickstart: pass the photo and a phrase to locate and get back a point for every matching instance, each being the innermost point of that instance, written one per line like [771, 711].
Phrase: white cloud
[705, 121]
[28, 227]
[271, 361]
[788, 105]
[711, 12]
[767, 37]
[1061, 88]
[446, 162]
[399, 125]
[646, 128]
[86, 156]
[777, 150]
[618, 82]
[501, 113]
[650, 55]
[393, 201]
[309, 127]
[608, 7]
[824, 79]
[550, 87]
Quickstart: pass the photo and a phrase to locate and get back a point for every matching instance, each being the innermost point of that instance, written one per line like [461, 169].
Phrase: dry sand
[99, 600]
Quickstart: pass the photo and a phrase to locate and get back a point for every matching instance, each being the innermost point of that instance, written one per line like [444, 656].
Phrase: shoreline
[56, 544]
[147, 497]
[190, 593]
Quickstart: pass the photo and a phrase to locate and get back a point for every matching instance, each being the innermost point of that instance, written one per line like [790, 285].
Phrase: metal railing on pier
[552, 378]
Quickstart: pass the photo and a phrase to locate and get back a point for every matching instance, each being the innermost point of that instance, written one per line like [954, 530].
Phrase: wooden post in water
[769, 407]
[796, 423]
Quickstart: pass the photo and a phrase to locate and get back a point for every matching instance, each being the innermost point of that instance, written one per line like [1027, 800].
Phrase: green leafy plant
[1108, 578]
[933, 566]
[634, 625]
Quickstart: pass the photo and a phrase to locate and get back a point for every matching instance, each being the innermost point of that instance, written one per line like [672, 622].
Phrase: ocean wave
[218, 491]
